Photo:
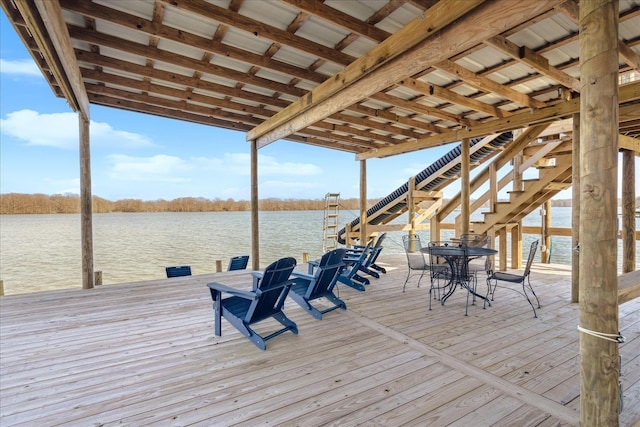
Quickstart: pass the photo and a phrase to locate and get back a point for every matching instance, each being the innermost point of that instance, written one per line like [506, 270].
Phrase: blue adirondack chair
[245, 308]
[177, 271]
[369, 266]
[349, 275]
[320, 284]
[238, 262]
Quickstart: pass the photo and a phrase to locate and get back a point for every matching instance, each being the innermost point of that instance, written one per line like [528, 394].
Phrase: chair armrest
[219, 287]
[303, 275]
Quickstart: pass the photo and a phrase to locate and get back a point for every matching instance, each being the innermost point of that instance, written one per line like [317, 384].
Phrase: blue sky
[146, 157]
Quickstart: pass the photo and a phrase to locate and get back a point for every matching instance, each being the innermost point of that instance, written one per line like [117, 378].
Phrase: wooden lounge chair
[517, 278]
[244, 308]
[320, 284]
[238, 262]
[177, 271]
[369, 266]
[349, 275]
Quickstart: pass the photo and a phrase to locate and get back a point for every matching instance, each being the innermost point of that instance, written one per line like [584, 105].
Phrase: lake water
[40, 252]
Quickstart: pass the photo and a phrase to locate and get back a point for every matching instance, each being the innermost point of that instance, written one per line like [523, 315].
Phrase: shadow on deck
[145, 353]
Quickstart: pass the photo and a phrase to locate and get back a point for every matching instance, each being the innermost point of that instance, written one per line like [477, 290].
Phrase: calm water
[39, 252]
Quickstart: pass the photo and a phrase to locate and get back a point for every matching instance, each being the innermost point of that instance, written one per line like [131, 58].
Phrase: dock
[144, 353]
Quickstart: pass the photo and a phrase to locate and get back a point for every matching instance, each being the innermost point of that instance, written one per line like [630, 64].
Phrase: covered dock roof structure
[377, 78]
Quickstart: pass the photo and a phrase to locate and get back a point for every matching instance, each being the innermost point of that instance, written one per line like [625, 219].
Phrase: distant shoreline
[18, 203]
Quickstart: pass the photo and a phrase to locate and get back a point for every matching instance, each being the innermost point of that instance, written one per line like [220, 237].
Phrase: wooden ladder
[330, 228]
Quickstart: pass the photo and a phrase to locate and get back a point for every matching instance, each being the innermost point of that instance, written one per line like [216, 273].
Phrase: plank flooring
[145, 354]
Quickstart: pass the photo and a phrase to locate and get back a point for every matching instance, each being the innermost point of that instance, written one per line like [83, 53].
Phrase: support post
[628, 212]
[599, 364]
[363, 202]
[493, 187]
[516, 246]
[86, 218]
[218, 265]
[502, 242]
[411, 212]
[255, 227]
[545, 253]
[465, 192]
[575, 211]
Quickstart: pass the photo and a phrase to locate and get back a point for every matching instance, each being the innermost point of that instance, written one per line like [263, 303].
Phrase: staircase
[551, 180]
[330, 227]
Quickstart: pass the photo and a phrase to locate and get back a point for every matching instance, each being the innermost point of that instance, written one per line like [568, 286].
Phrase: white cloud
[60, 130]
[240, 164]
[20, 67]
[159, 168]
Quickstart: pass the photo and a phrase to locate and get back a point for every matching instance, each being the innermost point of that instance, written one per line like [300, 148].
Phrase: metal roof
[236, 63]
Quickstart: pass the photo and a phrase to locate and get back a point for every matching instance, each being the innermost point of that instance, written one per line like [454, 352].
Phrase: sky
[146, 157]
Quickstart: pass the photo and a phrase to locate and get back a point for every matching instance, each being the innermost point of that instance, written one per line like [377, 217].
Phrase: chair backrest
[380, 240]
[238, 262]
[532, 254]
[478, 240]
[270, 295]
[413, 250]
[375, 250]
[177, 271]
[442, 253]
[327, 272]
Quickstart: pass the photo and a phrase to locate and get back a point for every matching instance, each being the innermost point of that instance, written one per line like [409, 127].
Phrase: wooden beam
[486, 84]
[209, 11]
[51, 14]
[546, 115]
[453, 97]
[599, 363]
[570, 9]
[535, 61]
[629, 143]
[385, 53]
[407, 52]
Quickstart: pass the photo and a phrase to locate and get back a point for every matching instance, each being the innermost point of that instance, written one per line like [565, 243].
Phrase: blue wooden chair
[349, 275]
[238, 262]
[244, 308]
[320, 284]
[177, 271]
[369, 266]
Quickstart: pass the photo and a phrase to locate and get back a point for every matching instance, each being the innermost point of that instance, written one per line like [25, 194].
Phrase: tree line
[17, 203]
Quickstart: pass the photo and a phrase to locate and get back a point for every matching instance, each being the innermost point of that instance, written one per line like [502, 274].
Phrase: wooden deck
[145, 354]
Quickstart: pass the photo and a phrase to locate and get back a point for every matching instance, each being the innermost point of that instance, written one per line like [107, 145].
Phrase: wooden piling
[86, 219]
[628, 211]
[465, 191]
[599, 365]
[218, 265]
[97, 278]
[575, 211]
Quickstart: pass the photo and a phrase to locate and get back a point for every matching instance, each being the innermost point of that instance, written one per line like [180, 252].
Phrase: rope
[609, 337]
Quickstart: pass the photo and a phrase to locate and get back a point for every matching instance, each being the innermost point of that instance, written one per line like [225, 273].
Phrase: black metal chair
[523, 279]
[177, 271]
[482, 263]
[416, 262]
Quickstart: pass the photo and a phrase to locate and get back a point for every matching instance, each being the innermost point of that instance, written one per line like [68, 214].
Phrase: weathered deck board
[144, 353]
